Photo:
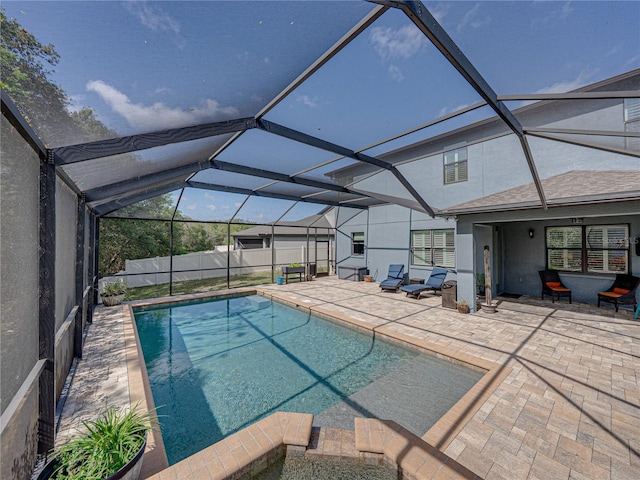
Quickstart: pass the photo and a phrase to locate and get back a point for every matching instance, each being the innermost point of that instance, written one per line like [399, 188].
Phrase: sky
[145, 66]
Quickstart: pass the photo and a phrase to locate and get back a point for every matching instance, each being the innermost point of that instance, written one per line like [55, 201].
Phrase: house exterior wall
[495, 163]
[357, 223]
[523, 257]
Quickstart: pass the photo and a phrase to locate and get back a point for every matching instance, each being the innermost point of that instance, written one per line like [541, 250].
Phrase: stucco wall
[494, 165]
[525, 256]
[387, 240]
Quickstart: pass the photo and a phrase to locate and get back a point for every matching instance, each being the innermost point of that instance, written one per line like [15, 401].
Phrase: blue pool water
[215, 367]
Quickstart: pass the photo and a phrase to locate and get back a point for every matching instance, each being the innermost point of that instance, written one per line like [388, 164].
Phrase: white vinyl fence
[212, 264]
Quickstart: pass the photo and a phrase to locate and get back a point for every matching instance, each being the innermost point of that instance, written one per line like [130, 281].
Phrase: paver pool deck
[563, 401]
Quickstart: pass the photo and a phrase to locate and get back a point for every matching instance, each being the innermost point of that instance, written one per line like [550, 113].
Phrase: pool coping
[438, 437]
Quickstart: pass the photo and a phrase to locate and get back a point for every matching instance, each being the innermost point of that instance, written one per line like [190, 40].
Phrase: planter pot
[463, 308]
[131, 471]
[112, 300]
[489, 308]
[280, 280]
[286, 270]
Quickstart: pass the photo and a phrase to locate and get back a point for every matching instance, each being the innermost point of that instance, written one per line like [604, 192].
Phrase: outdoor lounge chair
[434, 282]
[622, 292]
[552, 285]
[395, 278]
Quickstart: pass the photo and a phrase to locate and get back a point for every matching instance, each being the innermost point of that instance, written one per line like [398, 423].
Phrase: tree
[132, 238]
[26, 66]
[196, 238]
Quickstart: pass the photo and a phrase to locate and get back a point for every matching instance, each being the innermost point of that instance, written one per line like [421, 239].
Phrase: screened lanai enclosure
[141, 139]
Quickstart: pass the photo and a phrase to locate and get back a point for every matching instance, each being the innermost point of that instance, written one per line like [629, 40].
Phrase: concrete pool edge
[439, 436]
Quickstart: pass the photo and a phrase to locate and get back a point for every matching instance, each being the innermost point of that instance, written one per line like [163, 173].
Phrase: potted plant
[480, 283]
[113, 293]
[111, 448]
[463, 306]
[293, 268]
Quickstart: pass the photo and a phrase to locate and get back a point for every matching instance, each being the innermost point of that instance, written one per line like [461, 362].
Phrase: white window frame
[357, 241]
[455, 166]
[588, 249]
[435, 248]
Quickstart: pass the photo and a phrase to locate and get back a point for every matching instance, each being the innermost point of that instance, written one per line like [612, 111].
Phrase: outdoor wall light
[532, 232]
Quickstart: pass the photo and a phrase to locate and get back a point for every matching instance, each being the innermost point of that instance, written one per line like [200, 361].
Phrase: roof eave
[560, 202]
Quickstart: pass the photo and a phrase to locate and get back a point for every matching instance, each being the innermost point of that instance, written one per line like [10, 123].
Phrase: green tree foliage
[25, 67]
[126, 238]
[197, 238]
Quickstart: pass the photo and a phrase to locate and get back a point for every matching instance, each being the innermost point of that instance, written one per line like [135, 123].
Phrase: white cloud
[566, 10]
[158, 115]
[404, 42]
[446, 110]
[550, 14]
[155, 19]
[191, 207]
[439, 11]
[209, 195]
[632, 61]
[160, 90]
[307, 100]
[562, 87]
[213, 208]
[473, 19]
[396, 73]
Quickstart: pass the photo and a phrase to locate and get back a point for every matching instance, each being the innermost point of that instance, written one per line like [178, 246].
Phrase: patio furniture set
[621, 292]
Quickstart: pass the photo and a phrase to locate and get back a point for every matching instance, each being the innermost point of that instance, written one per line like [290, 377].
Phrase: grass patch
[198, 286]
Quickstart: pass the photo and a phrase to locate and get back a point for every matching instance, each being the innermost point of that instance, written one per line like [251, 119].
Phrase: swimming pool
[217, 366]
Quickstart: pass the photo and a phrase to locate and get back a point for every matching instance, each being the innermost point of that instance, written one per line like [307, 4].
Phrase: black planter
[286, 270]
[131, 471]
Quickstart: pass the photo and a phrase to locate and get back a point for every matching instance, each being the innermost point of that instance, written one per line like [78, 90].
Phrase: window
[632, 121]
[357, 243]
[433, 248]
[455, 165]
[588, 248]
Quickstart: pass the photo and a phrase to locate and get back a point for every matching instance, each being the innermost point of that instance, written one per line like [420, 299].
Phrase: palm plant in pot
[113, 293]
[111, 448]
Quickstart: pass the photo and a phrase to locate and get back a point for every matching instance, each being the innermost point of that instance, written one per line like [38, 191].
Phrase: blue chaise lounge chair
[434, 282]
[395, 278]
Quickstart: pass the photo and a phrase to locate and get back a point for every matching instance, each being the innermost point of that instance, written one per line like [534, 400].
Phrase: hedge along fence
[211, 264]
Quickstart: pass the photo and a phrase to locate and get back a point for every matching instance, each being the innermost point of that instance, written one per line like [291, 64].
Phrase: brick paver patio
[569, 406]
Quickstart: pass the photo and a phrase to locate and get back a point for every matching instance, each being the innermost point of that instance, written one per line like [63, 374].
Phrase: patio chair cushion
[552, 285]
[394, 279]
[622, 292]
[434, 282]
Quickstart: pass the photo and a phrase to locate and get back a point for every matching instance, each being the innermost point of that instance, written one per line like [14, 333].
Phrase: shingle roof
[570, 188]
[287, 228]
